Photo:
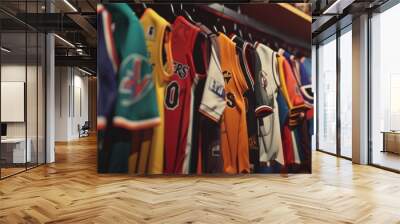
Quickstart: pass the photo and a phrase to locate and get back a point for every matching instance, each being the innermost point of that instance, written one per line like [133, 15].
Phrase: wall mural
[198, 89]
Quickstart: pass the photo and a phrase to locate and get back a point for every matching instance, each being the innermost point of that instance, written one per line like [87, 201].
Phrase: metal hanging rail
[244, 20]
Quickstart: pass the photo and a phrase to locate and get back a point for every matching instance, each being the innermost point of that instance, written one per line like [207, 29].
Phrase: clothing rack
[236, 76]
[294, 36]
[245, 20]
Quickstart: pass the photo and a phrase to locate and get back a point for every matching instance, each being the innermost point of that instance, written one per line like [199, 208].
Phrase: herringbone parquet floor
[70, 191]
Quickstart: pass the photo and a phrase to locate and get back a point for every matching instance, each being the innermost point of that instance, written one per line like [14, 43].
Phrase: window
[385, 89]
[346, 93]
[327, 96]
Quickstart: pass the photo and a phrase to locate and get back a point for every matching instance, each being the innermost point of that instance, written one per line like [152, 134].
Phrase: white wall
[33, 127]
[71, 102]
[61, 103]
[13, 73]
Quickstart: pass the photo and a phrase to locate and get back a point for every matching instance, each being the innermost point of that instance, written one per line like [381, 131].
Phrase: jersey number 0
[172, 95]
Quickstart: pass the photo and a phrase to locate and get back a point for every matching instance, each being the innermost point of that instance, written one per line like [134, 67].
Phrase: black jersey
[250, 65]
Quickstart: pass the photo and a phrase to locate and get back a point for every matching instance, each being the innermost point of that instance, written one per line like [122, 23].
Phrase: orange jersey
[234, 139]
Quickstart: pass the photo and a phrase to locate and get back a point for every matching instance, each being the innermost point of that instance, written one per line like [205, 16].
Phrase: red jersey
[178, 94]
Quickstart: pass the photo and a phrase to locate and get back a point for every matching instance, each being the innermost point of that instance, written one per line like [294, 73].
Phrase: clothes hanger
[223, 13]
[276, 45]
[250, 38]
[218, 23]
[240, 33]
[144, 8]
[187, 15]
[238, 30]
[235, 31]
[190, 18]
[215, 29]
[224, 29]
[173, 10]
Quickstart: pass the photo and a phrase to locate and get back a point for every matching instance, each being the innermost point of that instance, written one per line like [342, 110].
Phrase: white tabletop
[13, 140]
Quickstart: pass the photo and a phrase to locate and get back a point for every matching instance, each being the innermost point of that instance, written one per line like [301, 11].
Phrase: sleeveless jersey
[287, 81]
[291, 92]
[285, 136]
[178, 93]
[293, 64]
[107, 65]
[158, 40]
[234, 139]
[202, 58]
[136, 106]
[251, 66]
[305, 131]
[212, 107]
[270, 140]
[306, 87]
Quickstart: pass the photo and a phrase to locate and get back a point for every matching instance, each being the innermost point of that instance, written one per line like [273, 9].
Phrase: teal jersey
[136, 104]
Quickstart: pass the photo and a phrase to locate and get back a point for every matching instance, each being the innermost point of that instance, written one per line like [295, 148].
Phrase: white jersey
[269, 138]
[213, 102]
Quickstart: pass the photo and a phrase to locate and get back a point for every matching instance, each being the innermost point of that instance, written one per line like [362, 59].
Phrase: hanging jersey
[107, 65]
[234, 139]
[158, 40]
[251, 66]
[293, 64]
[302, 151]
[203, 49]
[303, 80]
[291, 92]
[285, 131]
[306, 73]
[200, 58]
[305, 144]
[306, 87]
[129, 47]
[212, 107]
[136, 106]
[270, 140]
[178, 93]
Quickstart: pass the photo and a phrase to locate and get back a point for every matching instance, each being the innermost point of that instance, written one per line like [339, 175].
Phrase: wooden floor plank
[71, 191]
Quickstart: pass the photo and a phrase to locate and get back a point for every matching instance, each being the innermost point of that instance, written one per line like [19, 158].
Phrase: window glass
[385, 89]
[346, 94]
[15, 149]
[327, 96]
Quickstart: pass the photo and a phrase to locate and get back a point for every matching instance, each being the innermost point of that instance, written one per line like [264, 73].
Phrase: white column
[50, 92]
[360, 90]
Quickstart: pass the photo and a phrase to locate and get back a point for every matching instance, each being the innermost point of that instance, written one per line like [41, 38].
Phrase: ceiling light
[337, 7]
[70, 5]
[65, 41]
[5, 50]
[333, 6]
[84, 71]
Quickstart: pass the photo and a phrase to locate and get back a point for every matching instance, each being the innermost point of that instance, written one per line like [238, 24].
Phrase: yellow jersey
[157, 33]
